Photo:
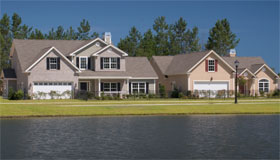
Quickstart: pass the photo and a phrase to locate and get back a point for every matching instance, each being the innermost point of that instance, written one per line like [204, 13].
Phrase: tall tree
[162, 30]
[16, 22]
[83, 30]
[71, 34]
[131, 43]
[6, 41]
[192, 41]
[59, 33]
[147, 46]
[177, 36]
[221, 39]
[37, 34]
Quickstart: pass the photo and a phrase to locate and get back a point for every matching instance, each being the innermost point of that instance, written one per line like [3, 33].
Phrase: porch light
[236, 67]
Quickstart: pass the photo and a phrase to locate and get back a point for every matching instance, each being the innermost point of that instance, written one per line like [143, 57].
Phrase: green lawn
[139, 107]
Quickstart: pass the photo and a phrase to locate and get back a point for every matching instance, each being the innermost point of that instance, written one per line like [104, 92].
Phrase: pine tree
[221, 38]
[177, 37]
[16, 22]
[147, 46]
[5, 40]
[83, 30]
[37, 34]
[162, 31]
[192, 41]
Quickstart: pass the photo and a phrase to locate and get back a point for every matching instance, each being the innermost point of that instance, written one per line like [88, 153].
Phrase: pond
[142, 137]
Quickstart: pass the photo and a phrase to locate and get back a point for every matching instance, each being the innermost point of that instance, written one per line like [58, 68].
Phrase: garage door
[60, 90]
[212, 89]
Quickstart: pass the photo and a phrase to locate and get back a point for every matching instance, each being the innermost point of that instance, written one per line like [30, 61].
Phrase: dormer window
[53, 63]
[211, 65]
[110, 63]
[83, 62]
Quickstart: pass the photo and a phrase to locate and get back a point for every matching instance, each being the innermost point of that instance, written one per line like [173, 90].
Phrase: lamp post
[236, 67]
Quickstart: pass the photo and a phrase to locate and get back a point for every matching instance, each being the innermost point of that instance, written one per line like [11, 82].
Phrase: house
[97, 66]
[207, 71]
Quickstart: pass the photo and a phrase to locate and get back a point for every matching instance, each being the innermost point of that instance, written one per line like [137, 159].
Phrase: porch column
[127, 90]
[189, 81]
[277, 83]
[99, 88]
[254, 86]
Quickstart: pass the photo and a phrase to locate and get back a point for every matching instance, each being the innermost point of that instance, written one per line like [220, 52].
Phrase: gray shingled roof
[135, 67]
[29, 51]
[178, 64]
[9, 73]
[251, 63]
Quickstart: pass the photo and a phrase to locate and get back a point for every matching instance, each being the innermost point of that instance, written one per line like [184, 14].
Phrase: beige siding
[65, 74]
[266, 75]
[224, 73]
[21, 76]
[107, 53]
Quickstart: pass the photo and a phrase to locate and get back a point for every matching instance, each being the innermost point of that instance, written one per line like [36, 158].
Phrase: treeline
[172, 39]
[162, 39]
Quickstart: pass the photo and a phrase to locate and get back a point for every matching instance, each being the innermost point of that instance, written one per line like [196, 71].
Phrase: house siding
[40, 73]
[108, 53]
[224, 73]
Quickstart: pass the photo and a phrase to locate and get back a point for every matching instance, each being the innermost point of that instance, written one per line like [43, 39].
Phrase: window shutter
[48, 63]
[89, 63]
[58, 63]
[206, 65]
[129, 87]
[118, 63]
[77, 62]
[216, 65]
[102, 88]
[101, 62]
[147, 88]
[119, 86]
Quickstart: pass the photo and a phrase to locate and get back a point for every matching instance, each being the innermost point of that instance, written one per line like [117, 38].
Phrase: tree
[6, 41]
[71, 34]
[162, 30]
[16, 22]
[147, 45]
[83, 30]
[221, 39]
[192, 41]
[177, 36]
[131, 42]
[37, 34]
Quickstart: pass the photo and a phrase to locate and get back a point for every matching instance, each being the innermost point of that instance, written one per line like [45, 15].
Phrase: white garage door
[48, 90]
[206, 89]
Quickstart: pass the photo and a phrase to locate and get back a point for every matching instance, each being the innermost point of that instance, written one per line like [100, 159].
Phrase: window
[106, 63]
[109, 87]
[83, 86]
[83, 62]
[138, 87]
[110, 62]
[53, 63]
[211, 65]
[263, 85]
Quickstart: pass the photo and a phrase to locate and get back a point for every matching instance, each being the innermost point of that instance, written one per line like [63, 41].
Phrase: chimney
[107, 37]
[232, 52]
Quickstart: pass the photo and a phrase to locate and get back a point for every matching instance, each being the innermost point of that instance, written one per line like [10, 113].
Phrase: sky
[256, 23]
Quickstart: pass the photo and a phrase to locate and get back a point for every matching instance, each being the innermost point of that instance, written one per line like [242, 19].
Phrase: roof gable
[44, 53]
[110, 46]
[86, 45]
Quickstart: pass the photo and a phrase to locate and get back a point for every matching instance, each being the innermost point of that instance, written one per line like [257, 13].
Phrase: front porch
[116, 86]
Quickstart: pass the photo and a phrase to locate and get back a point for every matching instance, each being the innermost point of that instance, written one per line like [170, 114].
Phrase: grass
[41, 108]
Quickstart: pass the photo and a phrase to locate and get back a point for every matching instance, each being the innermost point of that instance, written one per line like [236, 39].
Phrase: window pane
[106, 86]
[141, 90]
[211, 65]
[113, 59]
[83, 86]
[53, 63]
[83, 62]
[266, 89]
[141, 85]
[113, 86]
[134, 90]
[265, 84]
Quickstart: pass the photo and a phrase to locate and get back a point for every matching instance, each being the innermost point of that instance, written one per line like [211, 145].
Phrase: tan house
[207, 71]
[97, 66]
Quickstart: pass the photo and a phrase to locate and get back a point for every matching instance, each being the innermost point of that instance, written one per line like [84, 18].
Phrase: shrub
[53, 94]
[276, 93]
[67, 93]
[181, 95]
[11, 94]
[41, 95]
[162, 91]
[262, 93]
[175, 93]
[18, 95]
[151, 95]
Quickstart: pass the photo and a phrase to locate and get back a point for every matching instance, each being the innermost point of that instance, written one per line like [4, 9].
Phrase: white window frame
[138, 87]
[110, 63]
[212, 65]
[80, 62]
[53, 63]
[109, 90]
[88, 85]
[263, 83]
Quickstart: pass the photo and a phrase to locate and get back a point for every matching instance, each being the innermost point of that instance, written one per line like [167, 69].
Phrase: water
[142, 137]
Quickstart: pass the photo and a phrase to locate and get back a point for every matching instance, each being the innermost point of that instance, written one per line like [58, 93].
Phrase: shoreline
[120, 115]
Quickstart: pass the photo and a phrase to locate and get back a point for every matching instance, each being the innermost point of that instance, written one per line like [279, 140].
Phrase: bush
[181, 95]
[175, 93]
[53, 94]
[262, 93]
[276, 93]
[15, 95]
[162, 91]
